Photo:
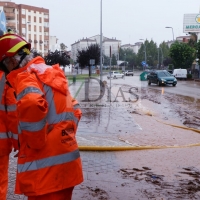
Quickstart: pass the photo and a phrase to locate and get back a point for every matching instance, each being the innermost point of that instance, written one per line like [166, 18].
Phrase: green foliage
[129, 56]
[182, 54]
[198, 49]
[170, 66]
[189, 76]
[84, 56]
[114, 60]
[106, 60]
[57, 57]
[151, 53]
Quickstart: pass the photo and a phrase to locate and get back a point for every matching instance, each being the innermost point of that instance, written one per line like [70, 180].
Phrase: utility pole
[101, 35]
[158, 57]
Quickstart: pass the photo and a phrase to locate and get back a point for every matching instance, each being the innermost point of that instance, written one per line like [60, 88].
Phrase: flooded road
[169, 173]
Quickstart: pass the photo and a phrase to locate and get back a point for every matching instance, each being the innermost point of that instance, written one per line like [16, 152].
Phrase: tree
[57, 57]
[182, 55]
[129, 56]
[198, 50]
[63, 47]
[113, 60]
[84, 56]
[164, 54]
[167, 61]
[106, 60]
[151, 53]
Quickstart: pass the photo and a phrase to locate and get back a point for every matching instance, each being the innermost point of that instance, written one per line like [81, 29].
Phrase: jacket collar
[12, 76]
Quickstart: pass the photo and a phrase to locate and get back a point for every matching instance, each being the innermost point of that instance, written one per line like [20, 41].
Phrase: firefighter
[8, 129]
[49, 163]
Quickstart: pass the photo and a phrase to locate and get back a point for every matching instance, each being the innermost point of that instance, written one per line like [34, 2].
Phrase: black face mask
[3, 68]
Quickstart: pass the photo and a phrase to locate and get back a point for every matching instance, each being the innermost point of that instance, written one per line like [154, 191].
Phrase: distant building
[32, 23]
[135, 47]
[106, 44]
[184, 39]
[53, 43]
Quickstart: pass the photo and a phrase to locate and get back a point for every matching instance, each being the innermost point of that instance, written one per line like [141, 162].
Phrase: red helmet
[10, 44]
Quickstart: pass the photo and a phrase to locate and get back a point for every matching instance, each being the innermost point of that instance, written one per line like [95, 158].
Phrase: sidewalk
[126, 175]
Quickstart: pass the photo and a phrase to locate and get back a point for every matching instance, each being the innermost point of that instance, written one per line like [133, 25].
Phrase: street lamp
[172, 31]
[101, 40]
[158, 57]
[145, 54]
[125, 62]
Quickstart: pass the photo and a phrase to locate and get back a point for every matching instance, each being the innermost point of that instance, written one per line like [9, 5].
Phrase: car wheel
[149, 82]
[122, 76]
[159, 84]
[115, 77]
[174, 85]
[132, 74]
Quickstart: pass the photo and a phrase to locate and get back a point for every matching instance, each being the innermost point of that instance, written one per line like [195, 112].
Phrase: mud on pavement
[186, 108]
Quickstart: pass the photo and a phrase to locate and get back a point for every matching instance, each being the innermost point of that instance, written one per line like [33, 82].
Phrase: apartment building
[32, 23]
[134, 47]
[106, 44]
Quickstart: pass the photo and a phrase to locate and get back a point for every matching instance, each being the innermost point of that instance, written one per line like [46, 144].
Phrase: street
[167, 165]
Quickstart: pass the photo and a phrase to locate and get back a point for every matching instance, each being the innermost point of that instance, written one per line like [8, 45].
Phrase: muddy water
[159, 174]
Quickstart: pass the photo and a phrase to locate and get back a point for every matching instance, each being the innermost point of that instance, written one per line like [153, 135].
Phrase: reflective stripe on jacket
[11, 114]
[5, 141]
[49, 158]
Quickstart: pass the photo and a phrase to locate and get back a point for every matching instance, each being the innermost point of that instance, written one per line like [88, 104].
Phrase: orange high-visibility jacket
[11, 114]
[49, 159]
[5, 141]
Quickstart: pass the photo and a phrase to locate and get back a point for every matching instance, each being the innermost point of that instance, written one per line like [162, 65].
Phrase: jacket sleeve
[32, 109]
[11, 114]
[77, 109]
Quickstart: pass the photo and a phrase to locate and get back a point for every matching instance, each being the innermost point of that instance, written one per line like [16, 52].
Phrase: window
[46, 24]
[23, 21]
[23, 11]
[40, 19]
[29, 18]
[35, 28]
[34, 19]
[40, 28]
[23, 30]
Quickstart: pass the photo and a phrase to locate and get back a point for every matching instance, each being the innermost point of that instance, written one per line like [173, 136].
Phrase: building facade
[106, 44]
[32, 23]
[134, 47]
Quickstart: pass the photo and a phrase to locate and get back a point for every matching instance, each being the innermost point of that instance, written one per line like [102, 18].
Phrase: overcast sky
[125, 20]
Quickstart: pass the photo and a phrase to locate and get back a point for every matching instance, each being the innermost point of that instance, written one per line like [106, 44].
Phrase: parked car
[161, 77]
[128, 73]
[115, 74]
[180, 73]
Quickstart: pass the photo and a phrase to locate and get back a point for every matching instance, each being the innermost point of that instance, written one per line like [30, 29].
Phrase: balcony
[40, 41]
[11, 25]
[46, 37]
[46, 29]
[30, 41]
[10, 15]
[35, 41]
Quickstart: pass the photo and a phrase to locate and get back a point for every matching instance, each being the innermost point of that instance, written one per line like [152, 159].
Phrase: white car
[115, 74]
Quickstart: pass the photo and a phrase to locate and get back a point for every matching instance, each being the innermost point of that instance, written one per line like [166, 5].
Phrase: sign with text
[191, 23]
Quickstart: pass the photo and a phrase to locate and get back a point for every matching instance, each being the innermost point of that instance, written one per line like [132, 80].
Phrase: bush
[189, 76]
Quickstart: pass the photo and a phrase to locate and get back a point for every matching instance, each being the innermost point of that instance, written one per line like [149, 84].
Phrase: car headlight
[163, 80]
[175, 79]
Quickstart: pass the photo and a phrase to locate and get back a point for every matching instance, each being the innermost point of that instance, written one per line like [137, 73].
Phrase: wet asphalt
[169, 173]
